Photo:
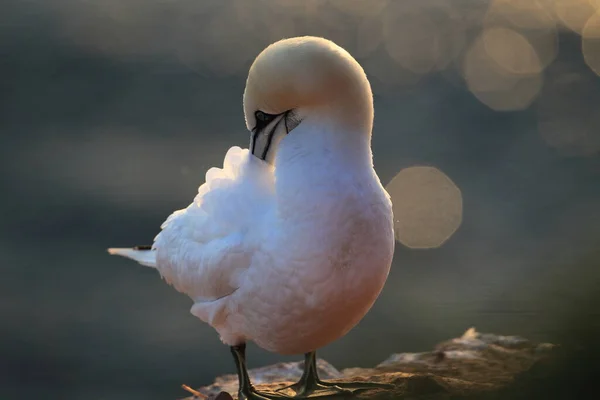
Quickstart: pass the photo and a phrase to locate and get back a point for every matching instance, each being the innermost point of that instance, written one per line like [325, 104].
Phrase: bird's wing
[204, 249]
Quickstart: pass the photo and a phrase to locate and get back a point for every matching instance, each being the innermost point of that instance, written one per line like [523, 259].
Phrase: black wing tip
[143, 247]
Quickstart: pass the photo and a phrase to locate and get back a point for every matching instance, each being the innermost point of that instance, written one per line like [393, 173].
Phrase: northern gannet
[290, 243]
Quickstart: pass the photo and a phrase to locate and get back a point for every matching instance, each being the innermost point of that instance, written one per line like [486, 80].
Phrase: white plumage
[290, 253]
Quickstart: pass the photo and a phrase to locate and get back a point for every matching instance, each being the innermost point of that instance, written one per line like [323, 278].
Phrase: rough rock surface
[475, 365]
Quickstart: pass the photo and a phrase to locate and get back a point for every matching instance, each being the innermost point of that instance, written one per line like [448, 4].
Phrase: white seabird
[290, 243]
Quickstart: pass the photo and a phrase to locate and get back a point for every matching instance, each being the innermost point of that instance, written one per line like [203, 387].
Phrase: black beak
[267, 127]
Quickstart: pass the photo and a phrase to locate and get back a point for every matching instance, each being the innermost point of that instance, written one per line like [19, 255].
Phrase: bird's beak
[264, 140]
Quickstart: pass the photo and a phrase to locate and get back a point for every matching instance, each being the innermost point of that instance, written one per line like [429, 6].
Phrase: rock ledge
[475, 365]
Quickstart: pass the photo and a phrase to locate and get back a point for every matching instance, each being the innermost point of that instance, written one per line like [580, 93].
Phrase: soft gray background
[111, 112]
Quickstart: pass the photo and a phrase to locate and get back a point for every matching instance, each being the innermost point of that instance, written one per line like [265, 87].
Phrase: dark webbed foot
[317, 390]
[324, 389]
[246, 390]
[311, 386]
[253, 394]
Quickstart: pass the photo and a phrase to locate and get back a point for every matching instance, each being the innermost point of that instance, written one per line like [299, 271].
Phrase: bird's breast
[330, 274]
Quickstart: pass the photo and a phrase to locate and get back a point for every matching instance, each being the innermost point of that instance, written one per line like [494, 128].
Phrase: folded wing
[205, 249]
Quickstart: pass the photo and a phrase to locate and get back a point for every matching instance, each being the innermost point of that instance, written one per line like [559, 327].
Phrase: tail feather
[142, 254]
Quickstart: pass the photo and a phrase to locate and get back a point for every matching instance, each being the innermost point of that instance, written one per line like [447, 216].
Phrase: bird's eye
[263, 117]
[260, 116]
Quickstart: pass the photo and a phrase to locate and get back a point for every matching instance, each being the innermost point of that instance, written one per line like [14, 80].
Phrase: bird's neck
[320, 161]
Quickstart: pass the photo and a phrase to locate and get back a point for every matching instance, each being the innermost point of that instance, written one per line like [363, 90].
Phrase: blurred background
[487, 136]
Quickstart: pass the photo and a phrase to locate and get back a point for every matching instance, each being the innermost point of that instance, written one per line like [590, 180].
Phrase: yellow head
[297, 78]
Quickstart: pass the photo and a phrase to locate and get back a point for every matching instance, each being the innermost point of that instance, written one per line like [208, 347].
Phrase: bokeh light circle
[427, 206]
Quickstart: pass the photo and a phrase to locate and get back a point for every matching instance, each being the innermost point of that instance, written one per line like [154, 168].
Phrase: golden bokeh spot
[501, 81]
[422, 39]
[526, 14]
[427, 207]
[411, 41]
[591, 43]
[511, 51]
[574, 13]
[532, 20]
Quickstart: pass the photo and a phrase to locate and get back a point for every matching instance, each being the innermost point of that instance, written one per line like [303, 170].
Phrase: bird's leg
[246, 389]
[310, 384]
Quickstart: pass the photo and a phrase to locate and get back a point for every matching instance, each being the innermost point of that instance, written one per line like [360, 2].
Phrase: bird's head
[304, 79]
